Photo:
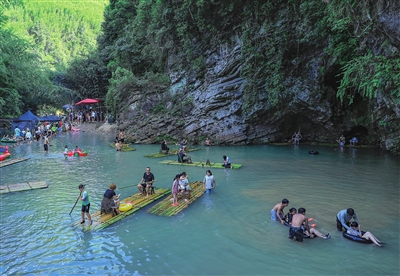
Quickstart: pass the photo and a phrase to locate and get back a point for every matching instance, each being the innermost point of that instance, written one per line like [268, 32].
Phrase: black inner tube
[313, 152]
[356, 238]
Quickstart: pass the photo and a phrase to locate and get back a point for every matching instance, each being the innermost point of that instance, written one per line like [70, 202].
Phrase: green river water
[228, 232]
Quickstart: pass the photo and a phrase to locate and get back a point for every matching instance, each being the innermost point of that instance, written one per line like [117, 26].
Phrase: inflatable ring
[125, 206]
[313, 152]
[356, 238]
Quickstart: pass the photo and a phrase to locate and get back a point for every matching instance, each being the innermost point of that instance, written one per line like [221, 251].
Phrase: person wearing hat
[84, 196]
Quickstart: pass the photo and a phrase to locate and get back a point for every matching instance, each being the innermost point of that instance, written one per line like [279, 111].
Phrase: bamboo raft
[5, 189]
[200, 164]
[11, 161]
[125, 147]
[139, 201]
[164, 208]
[172, 152]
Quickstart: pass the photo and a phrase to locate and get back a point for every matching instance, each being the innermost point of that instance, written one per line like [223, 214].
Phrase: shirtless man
[298, 221]
[277, 211]
[341, 141]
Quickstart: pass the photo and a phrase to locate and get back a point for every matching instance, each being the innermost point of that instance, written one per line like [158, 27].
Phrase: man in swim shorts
[298, 221]
[277, 211]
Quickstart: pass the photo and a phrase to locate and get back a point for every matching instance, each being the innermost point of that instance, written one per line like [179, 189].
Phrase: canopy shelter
[28, 119]
[88, 101]
[50, 118]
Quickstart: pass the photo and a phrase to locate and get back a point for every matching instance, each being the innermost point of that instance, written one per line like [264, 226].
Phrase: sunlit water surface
[226, 232]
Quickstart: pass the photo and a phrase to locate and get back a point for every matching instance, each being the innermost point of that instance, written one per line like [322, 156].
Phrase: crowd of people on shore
[299, 227]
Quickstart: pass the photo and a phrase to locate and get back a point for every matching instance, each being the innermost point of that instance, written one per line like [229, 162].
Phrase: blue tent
[50, 118]
[25, 120]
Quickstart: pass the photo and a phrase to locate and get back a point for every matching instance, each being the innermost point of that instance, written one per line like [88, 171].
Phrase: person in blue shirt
[343, 218]
[353, 141]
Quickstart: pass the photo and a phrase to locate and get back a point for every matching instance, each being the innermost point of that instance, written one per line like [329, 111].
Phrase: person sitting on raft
[227, 162]
[110, 202]
[181, 157]
[117, 145]
[77, 149]
[355, 230]
[164, 146]
[277, 211]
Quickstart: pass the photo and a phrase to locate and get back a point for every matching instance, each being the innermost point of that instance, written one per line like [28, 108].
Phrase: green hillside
[61, 30]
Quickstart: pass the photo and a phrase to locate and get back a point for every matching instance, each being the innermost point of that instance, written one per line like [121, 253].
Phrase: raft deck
[5, 189]
[171, 153]
[8, 162]
[165, 208]
[139, 201]
[125, 147]
[200, 164]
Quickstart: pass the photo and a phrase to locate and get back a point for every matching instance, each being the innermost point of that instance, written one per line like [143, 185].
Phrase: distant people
[355, 230]
[183, 144]
[296, 230]
[341, 141]
[227, 162]
[353, 141]
[46, 143]
[117, 145]
[277, 211]
[121, 138]
[175, 190]
[296, 137]
[77, 149]
[184, 186]
[146, 182]
[28, 136]
[207, 142]
[164, 146]
[84, 196]
[110, 202]
[343, 218]
[66, 149]
[17, 133]
[209, 181]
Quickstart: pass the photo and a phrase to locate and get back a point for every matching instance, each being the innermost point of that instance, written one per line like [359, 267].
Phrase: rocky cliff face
[210, 103]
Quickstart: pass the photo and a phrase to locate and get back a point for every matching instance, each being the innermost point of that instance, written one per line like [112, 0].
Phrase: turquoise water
[226, 232]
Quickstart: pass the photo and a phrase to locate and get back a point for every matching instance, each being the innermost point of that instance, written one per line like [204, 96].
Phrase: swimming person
[277, 211]
[209, 181]
[84, 196]
[66, 149]
[355, 230]
[343, 218]
[289, 216]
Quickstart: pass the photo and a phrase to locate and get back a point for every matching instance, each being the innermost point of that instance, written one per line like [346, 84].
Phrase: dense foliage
[275, 36]
[38, 41]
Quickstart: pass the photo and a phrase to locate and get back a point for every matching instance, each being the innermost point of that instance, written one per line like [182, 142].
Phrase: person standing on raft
[84, 196]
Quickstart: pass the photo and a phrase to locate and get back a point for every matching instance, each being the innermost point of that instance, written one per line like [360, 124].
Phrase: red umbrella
[87, 101]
